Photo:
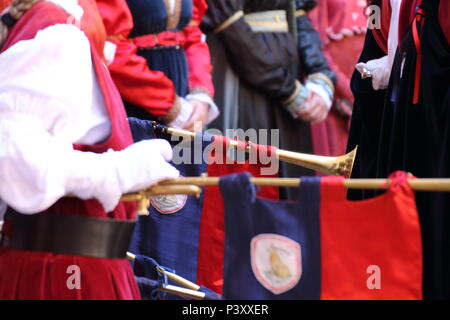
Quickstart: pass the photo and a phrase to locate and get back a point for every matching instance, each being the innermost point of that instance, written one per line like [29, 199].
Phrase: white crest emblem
[168, 204]
[276, 262]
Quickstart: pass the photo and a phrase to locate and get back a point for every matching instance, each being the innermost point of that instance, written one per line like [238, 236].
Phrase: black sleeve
[306, 5]
[310, 48]
[265, 62]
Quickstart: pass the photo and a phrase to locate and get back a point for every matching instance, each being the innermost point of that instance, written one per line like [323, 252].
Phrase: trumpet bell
[336, 166]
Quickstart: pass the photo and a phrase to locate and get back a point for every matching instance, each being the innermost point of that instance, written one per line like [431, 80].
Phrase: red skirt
[33, 275]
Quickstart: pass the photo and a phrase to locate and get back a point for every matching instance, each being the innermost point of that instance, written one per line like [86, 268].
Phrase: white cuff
[108, 175]
[318, 89]
[213, 112]
[183, 116]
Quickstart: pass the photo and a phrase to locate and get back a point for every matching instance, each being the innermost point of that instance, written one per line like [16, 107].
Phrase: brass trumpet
[335, 166]
[338, 166]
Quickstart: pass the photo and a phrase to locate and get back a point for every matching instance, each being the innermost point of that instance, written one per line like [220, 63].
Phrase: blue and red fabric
[189, 236]
[151, 79]
[322, 246]
[150, 281]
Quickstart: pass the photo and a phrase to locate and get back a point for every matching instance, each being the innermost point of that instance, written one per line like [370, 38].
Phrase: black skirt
[366, 120]
[416, 138]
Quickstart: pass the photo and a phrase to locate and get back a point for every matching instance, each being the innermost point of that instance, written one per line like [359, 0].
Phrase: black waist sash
[68, 234]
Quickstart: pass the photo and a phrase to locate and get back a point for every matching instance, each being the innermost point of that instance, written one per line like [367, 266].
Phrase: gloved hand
[137, 167]
[219, 11]
[379, 70]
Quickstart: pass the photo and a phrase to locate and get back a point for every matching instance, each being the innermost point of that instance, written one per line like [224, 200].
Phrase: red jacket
[139, 85]
[4, 4]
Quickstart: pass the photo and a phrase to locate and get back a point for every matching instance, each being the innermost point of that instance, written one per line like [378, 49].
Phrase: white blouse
[49, 99]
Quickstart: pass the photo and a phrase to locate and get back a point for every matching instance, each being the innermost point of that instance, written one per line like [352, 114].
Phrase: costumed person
[64, 132]
[369, 97]
[255, 72]
[413, 134]
[159, 60]
[342, 26]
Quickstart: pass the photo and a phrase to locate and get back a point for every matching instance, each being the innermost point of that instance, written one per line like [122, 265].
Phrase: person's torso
[27, 28]
[156, 16]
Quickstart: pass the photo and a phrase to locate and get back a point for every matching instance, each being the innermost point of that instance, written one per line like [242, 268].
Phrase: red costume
[43, 275]
[341, 24]
[4, 4]
[137, 83]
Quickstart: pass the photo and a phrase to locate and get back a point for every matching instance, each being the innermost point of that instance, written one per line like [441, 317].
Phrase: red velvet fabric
[444, 13]
[152, 90]
[383, 232]
[407, 14]
[33, 275]
[341, 24]
[381, 35]
[4, 4]
[43, 275]
[408, 11]
[212, 233]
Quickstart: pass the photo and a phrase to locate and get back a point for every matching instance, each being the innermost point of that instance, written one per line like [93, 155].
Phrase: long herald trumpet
[335, 166]
[190, 186]
[340, 166]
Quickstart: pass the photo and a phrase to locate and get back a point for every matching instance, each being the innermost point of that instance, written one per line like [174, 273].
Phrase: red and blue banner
[321, 246]
[184, 233]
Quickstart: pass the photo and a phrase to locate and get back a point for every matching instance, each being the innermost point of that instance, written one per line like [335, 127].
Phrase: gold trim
[300, 13]
[323, 77]
[235, 17]
[298, 86]
[177, 13]
[270, 25]
[170, 17]
[115, 37]
[268, 21]
[193, 23]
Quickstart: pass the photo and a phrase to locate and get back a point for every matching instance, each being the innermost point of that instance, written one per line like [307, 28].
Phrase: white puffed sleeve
[49, 99]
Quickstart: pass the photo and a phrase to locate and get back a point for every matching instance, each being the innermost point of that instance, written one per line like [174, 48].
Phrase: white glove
[145, 163]
[379, 70]
[115, 173]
